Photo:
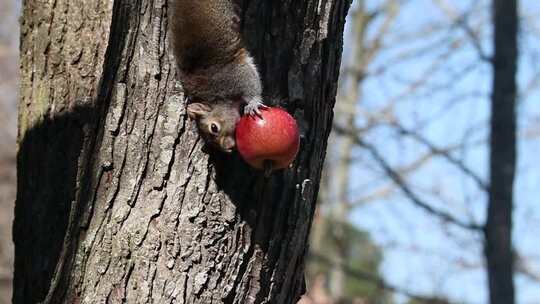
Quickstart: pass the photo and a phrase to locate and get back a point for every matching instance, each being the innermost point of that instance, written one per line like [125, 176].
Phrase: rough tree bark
[117, 199]
[498, 230]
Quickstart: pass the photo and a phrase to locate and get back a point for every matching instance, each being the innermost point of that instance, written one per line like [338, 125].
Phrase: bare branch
[443, 153]
[461, 21]
[524, 269]
[372, 196]
[402, 185]
[378, 281]
[391, 7]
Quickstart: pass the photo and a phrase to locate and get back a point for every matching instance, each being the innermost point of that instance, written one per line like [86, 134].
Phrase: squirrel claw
[254, 108]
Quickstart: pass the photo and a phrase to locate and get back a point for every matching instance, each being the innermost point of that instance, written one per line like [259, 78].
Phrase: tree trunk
[117, 199]
[498, 248]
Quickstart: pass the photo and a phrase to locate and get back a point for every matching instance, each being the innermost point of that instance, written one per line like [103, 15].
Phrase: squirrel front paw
[254, 106]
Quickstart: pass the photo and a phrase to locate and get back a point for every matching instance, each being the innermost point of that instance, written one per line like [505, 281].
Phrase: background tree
[361, 260]
[118, 202]
[498, 229]
[9, 85]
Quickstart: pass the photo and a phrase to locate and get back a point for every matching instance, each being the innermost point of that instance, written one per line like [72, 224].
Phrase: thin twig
[378, 281]
[445, 154]
[402, 185]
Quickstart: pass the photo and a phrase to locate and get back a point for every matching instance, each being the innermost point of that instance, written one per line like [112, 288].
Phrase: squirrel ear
[197, 109]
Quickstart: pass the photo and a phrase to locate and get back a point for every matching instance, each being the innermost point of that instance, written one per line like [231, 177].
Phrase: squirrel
[217, 72]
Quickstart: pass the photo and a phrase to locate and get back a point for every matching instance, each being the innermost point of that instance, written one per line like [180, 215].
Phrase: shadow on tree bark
[47, 182]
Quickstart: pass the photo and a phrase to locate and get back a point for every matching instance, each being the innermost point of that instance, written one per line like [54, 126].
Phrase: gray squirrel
[217, 72]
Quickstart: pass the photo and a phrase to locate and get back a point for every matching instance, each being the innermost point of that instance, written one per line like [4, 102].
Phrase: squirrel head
[216, 123]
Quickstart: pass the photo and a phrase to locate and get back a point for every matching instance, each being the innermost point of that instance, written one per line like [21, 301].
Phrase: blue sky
[449, 108]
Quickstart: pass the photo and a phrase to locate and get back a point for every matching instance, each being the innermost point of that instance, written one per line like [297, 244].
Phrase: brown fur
[205, 33]
[216, 70]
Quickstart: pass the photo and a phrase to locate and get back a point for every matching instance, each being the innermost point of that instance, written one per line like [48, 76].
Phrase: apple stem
[267, 167]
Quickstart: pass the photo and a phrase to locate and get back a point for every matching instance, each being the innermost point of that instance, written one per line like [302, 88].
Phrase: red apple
[270, 141]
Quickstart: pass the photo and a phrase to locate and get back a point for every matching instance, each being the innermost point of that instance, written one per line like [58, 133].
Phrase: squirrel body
[217, 72]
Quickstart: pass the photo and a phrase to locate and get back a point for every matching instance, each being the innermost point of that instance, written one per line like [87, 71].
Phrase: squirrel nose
[228, 144]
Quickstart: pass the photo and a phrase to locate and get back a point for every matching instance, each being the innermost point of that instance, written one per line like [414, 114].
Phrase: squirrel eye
[214, 128]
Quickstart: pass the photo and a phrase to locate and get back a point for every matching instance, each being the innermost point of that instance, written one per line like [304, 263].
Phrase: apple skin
[272, 139]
